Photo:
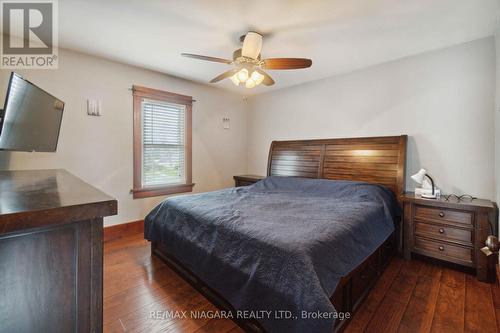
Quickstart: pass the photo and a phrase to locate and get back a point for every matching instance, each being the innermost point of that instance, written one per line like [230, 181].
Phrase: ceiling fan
[249, 70]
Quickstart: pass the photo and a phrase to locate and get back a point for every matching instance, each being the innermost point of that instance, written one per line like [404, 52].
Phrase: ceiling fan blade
[225, 75]
[268, 81]
[286, 63]
[201, 57]
[252, 44]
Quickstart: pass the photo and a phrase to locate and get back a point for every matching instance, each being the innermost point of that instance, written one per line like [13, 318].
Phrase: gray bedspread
[279, 246]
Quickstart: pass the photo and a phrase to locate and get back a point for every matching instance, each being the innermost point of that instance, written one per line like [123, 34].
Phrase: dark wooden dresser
[245, 180]
[450, 230]
[51, 226]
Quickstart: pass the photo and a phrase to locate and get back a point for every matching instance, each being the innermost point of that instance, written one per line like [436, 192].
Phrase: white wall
[99, 149]
[444, 100]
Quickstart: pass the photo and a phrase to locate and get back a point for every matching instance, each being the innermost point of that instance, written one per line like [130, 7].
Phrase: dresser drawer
[427, 213]
[446, 233]
[442, 250]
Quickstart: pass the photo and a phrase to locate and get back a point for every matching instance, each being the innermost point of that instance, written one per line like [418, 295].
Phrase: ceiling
[338, 35]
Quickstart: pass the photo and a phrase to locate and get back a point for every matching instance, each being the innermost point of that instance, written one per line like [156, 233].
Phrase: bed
[296, 245]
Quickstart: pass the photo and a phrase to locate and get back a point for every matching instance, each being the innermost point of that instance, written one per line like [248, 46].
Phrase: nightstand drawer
[441, 250]
[447, 233]
[427, 213]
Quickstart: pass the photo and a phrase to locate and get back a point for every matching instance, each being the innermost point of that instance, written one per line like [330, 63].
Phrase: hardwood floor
[413, 296]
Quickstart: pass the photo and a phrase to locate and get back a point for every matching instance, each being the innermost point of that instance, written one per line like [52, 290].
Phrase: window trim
[138, 190]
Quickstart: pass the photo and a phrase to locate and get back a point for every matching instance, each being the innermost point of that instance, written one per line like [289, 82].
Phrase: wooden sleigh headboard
[377, 160]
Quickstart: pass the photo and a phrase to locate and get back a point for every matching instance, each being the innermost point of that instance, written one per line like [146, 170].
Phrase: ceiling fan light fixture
[248, 64]
[243, 75]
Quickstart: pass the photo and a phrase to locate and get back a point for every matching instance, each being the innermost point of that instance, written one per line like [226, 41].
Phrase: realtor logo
[29, 37]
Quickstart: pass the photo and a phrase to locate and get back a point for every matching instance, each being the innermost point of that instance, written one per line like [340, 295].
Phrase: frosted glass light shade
[250, 83]
[257, 77]
[235, 79]
[243, 75]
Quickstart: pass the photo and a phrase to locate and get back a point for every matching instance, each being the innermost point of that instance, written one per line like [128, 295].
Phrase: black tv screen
[31, 118]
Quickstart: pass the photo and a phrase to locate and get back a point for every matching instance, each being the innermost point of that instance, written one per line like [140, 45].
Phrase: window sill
[147, 192]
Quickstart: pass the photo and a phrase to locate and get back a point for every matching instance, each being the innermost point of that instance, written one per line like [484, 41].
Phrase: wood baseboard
[123, 230]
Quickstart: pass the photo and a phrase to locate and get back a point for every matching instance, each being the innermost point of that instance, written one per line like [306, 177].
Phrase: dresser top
[30, 198]
[451, 202]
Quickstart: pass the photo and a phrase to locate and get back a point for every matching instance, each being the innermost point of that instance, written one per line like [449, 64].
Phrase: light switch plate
[94, 107]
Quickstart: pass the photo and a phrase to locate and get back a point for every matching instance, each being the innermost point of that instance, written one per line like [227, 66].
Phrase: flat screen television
[31, 118]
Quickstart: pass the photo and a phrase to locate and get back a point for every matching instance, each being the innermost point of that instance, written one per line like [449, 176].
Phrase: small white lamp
[419, 178]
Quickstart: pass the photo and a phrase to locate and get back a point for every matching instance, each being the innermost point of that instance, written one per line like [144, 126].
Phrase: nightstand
[245, 180]
[452, 231]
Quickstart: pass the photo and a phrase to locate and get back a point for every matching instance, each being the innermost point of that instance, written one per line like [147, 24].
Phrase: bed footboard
[348, 295]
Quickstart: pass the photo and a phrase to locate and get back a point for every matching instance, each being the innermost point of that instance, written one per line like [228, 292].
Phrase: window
[162, 143]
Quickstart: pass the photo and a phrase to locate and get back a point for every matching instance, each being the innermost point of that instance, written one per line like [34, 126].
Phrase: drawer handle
[441, 230]
[441, 214]
[441, 248]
